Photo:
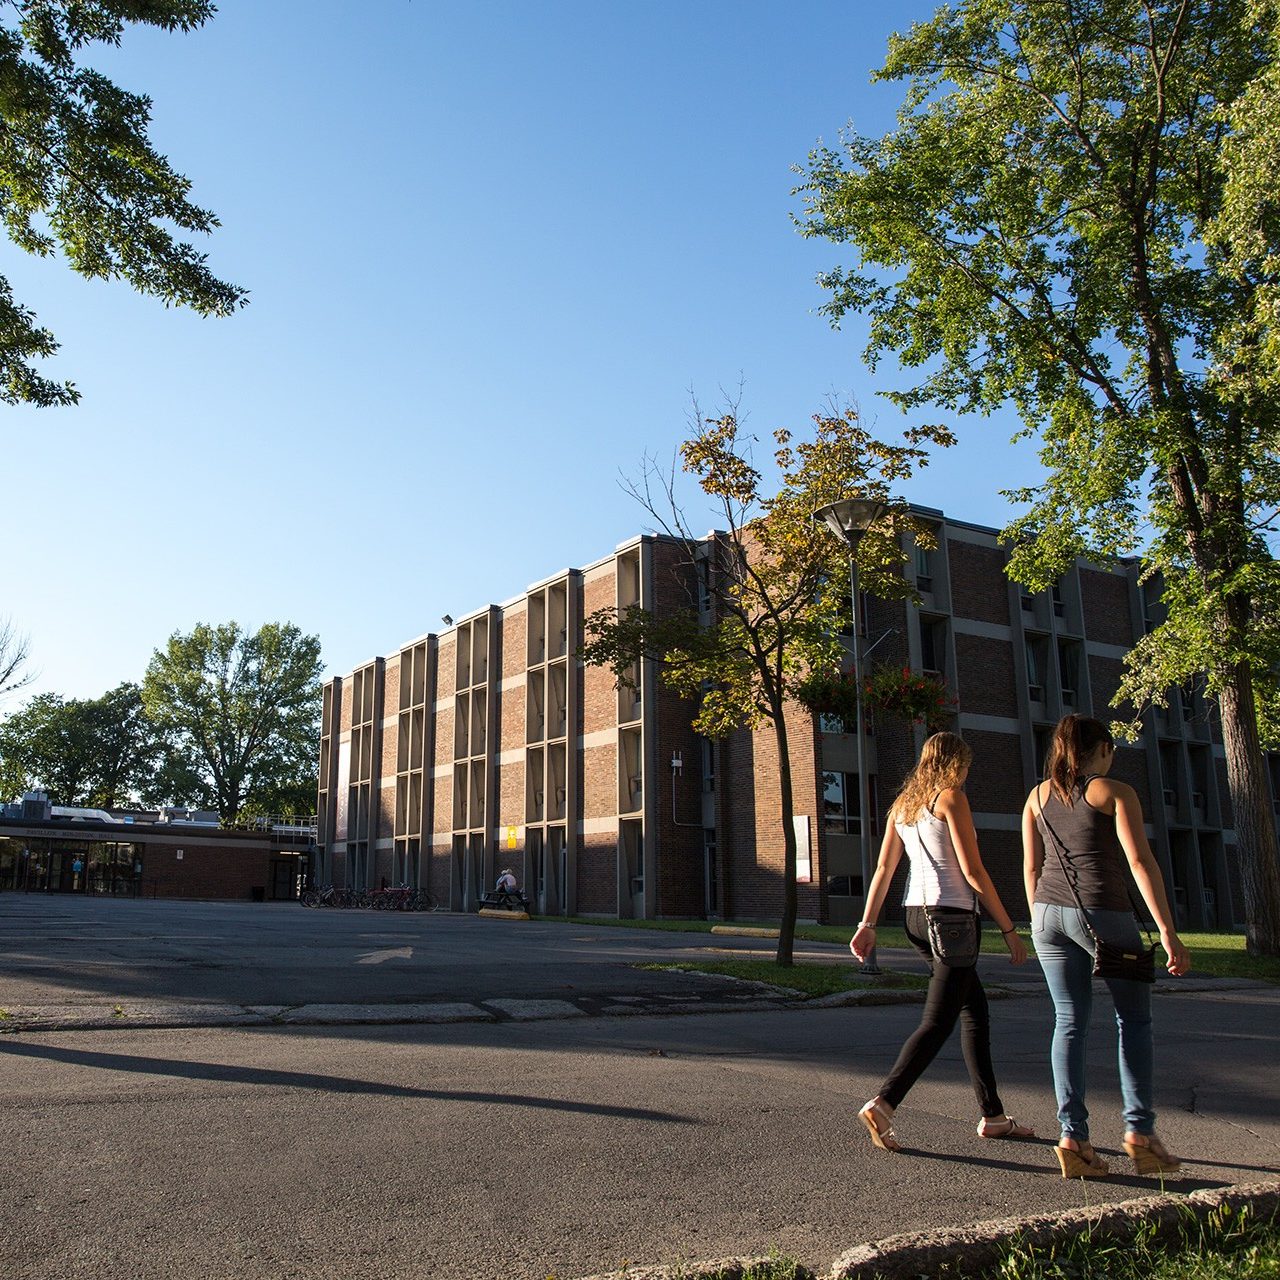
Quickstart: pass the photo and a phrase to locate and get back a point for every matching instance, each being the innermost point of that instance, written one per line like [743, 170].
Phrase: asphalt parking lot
[88, 950]
[517, 1145]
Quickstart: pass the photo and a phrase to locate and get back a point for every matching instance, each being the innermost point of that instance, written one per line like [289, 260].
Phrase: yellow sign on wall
[511, 836]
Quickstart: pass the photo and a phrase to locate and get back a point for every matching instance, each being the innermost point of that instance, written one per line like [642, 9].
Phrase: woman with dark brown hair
[1080, 829]
[931, 822]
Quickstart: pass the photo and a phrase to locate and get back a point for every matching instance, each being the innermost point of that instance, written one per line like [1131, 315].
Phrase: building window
[840, 807]
[933, 645]
[1069, 672]
[1037, 655]
[924, 569]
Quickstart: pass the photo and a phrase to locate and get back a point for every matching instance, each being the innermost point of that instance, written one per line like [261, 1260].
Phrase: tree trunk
[1256, 843]
[787, 926]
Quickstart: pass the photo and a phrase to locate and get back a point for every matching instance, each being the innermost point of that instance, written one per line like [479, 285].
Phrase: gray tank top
[1091, 849]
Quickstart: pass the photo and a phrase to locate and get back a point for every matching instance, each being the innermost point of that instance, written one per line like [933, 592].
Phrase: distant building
[489, 744]
[169, 853]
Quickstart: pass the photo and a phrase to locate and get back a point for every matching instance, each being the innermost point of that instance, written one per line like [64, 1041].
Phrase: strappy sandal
[1006, 1128]
[1150, 1156]
[1084, 1163]
[882, 1135]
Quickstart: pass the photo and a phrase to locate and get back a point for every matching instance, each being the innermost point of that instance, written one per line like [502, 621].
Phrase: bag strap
[1070, 878]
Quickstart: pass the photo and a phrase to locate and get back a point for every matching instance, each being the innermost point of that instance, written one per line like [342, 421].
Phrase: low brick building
[489, 744]
[135, 855]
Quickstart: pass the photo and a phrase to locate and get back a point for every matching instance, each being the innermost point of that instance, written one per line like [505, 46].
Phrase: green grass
[1229, 1245]
[809, 979]
[1218, 955]
[1224, 956]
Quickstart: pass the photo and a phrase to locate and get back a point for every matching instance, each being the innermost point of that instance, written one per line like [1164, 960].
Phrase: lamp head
[850, 518]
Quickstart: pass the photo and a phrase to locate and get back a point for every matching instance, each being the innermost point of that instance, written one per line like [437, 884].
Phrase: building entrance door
[284, 879]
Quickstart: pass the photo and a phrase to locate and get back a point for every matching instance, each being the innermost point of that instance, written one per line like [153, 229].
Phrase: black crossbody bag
[1110, 960]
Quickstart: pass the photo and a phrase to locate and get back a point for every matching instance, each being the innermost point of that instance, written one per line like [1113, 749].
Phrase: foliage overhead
[240, 712]
[1039, 231]
[1076, 216]
[78, 174]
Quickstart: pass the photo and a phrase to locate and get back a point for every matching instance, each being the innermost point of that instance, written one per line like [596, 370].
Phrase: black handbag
[1110, 959]
[953, 936]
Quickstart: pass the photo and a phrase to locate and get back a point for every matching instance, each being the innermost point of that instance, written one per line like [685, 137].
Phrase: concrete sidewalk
[727, 996]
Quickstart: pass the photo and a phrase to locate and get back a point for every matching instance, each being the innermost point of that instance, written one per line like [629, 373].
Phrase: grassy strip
[1218, 955]
[809, 979]
[1230, 1244]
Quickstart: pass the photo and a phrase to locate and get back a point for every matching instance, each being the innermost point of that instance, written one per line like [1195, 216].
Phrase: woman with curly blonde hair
[930, 820]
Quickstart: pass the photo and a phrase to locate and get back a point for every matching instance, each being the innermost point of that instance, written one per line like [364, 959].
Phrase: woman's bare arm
[1146, 870]
[862, 942]
[1032, 849]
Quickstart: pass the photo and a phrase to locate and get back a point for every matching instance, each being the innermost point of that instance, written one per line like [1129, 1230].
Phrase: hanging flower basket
[830, 693]
[890, 691]
[910, 695]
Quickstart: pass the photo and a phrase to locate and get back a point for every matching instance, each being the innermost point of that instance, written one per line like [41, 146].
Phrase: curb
[973, 1250]
[15, 1020]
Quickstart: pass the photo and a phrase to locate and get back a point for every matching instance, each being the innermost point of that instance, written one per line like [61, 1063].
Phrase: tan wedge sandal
[1150, 1156]
[1083, 1162]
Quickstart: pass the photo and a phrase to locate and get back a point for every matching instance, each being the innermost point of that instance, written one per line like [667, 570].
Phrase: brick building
[44, 849]
[490, 745]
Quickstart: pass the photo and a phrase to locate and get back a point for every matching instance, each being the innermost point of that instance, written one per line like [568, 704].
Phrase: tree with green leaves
[239, 714]
[78, 174]
[94, 752]
[1056, 224]
[778, 583]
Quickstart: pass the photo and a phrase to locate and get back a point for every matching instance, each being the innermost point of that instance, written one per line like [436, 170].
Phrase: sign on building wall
[804, 855]
[512, 836]
[344, 781]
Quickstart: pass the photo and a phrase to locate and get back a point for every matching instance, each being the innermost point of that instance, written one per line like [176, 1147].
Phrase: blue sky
[491, 248]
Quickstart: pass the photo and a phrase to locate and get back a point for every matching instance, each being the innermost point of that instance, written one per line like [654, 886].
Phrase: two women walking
[931, 821]
[1092, 826]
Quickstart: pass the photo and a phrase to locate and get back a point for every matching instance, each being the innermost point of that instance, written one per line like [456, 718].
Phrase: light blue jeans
[1065, 951]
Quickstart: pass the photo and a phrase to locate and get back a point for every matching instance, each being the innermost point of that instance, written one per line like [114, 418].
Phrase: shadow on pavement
[310, 1080]
[1116, 1179]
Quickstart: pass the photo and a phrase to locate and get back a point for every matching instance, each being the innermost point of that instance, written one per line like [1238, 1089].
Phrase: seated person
[507, 881]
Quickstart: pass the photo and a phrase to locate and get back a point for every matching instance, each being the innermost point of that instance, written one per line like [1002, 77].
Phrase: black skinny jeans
[953, 994]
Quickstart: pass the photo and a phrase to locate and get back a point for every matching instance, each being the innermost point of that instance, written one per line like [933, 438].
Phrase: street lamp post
[849, 519]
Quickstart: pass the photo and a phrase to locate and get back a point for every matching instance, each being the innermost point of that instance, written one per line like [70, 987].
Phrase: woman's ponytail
[1074, 739]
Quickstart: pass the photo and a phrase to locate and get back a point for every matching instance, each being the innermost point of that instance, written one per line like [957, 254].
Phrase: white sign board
[804, 854]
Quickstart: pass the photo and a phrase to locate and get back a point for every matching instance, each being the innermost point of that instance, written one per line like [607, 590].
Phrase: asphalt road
[84, 949]
[531, 1148]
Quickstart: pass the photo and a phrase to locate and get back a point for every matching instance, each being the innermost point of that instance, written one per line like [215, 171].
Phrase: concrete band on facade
[489, 745]
[973, 1250]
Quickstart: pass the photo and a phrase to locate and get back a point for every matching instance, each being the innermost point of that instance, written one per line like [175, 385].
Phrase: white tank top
[935, 879]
